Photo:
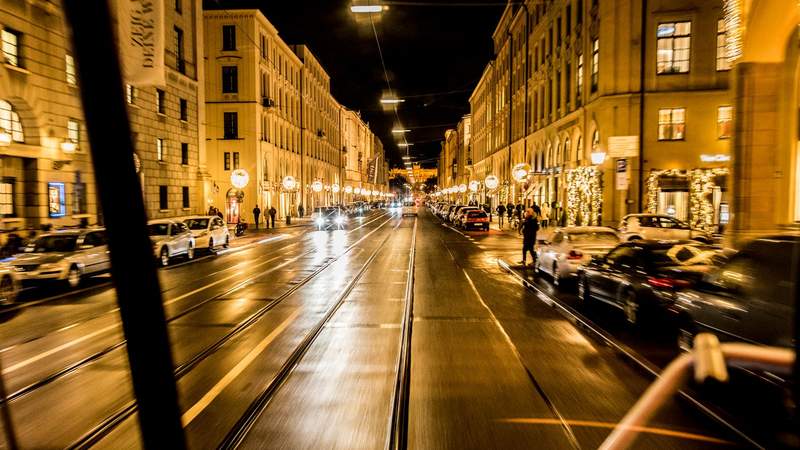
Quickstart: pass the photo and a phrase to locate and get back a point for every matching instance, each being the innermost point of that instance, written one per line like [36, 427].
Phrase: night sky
[429, 50]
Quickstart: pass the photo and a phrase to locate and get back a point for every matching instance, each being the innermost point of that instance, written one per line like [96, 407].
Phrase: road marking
[54, 350]
[214, 392]
[612, 425]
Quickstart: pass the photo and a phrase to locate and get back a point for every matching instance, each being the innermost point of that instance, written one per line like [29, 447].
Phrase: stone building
[365, 168]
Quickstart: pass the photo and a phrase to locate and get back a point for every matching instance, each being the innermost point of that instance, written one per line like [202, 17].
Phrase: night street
[308, 324]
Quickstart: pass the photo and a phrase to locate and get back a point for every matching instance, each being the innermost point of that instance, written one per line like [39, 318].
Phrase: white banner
[140, 30]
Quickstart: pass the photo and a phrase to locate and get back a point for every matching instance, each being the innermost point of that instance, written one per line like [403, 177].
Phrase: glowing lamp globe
[348, 189]
[289, 183]
[473, 186]
[239, 178]
[520, 172]
[375, 193]
[316, 186]
[462, 188]
[491, 182]
[357, 190]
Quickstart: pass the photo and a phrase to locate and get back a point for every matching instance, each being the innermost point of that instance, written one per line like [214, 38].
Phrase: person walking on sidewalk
[301, 210]
[545, 216]
[272, 212]
[501, 212]
[256, 214]
[510, 212]
[528, 229]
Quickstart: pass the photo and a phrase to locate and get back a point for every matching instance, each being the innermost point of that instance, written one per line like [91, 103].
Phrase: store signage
[140, 27]
[623, 146]
[715, 158]
[622, 175]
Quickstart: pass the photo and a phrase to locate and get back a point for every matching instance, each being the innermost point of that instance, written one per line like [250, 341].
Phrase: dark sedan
[642, 278]
[750, 298]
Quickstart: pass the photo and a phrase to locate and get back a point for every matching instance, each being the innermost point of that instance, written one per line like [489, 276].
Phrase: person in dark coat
[301, 210]
[510, 212]
[501, 212]
[528, 229]
[256, 215]
[272, 212]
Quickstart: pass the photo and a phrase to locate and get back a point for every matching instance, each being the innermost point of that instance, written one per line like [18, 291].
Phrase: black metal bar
[133, 267]
[5, 416]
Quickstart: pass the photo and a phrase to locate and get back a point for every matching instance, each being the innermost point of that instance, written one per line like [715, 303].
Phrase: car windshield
[326, 211]
[48, 244]
[593, 236]
[197, 224]
[686, 255]
[158, 229]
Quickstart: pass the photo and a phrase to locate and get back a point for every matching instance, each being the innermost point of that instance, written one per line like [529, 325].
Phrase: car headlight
[339, 220]
[320, 221]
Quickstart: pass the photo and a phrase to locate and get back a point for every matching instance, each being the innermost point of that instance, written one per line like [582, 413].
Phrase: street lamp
[473, 186]
[520, 172]
[289, 183]
[68, 147]
[366, 9]
[316, 186]
[399, 131]
[598, 157]
[491, 182]
[239, 178]
[392, 101]
[404, 145]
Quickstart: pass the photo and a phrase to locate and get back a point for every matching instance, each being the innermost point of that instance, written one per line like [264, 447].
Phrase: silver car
[659, 227]
[571, 247]
[170, 239]
[209, 232]
[67, 256]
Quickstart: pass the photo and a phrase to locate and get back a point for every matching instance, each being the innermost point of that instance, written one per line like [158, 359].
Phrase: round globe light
[491, 182]
[239, 178]
[335, 188]
[474, 185]
[520, 172]
[462, 188]
[289, 183]
[316, 186]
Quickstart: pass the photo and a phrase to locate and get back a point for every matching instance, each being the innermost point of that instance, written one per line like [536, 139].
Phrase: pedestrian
[510, 212]
[256, 214]
[211, 211]
[501, 212]
[528, 229]
[301, 210]
[544, 218]
[219, 213]
[272, 212]
[537, 210]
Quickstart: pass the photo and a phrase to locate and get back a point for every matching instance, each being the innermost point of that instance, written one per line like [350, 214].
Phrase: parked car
[659, 227]
[409, 209]
[9, 285]
[571, 247]
[750, 298]
[475, 219]
[454, 213]
[447, 211]
[642, 278]
[66, 256]
[170, 239]
[209, 232]
[458, 218]
[326, 216]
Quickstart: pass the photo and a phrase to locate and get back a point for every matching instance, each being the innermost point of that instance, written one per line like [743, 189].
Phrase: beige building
[565, 88]
[46, 176]
[365, 168]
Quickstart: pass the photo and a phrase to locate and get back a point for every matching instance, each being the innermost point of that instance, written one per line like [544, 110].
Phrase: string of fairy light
[701, 187]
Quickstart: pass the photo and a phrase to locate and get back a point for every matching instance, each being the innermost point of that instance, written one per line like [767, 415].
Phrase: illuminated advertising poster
[56, 200]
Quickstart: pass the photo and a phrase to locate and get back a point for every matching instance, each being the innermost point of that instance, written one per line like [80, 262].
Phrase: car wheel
[73, 277]
[227, 242]
[8, 292]
[164, 257]
[630, 306]
[190, 252]
[584, 294]
[556, 275]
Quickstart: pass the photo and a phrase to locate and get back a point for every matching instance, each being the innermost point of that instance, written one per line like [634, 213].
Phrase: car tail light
[574, 255]
[667, 283]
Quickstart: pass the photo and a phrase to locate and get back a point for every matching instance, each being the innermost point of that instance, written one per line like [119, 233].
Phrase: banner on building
[140, 31]
[372, 170]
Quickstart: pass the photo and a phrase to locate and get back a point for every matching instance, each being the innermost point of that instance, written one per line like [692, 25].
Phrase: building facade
[46, 175]
[365, 166]
[609, 109]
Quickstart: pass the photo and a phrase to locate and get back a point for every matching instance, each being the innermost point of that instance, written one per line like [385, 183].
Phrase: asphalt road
[296, 340]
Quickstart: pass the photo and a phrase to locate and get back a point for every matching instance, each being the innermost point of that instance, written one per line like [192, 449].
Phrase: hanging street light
[316, 186]
[520, 172]
[366, 9]
[598, 157]
[491, 182]
[289, 183]
[400, 131]
[239, 178]
[474, 185]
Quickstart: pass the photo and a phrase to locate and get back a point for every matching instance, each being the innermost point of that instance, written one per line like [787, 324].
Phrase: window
[130, 94]
[163, 197]
[228, 37]
[184, 107]
[558, 31]
[11, 47]
[178, 6]
[263, 47]
[674, 47]
[724, 122]
[235, 160]
[72, 78]
[160, 101]
[185, 196]
[579, 80]
[56, 200]
[73, 131]
[180, 63]
[79, 198]
[723, 62]
[160, 149]
[230, 80]
[227, 160]
[579, 12]
[231, 122]
[7, 197]
[671, 124]
[9, 121]
[595, 64]
[184, 153]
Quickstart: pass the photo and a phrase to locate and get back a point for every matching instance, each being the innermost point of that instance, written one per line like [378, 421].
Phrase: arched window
[579, 149]
[567, 154]
[595, 140]
[9, 122]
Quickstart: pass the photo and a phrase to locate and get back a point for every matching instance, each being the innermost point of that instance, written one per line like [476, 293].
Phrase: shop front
[697, 196]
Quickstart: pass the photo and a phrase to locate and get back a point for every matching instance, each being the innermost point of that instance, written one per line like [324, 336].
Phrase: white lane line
[54, 350]
[214, 392]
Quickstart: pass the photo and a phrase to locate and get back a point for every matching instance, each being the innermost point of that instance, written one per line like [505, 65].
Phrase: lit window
[671, 124]
[130, 94]
[674, 47]
[595, 63]
[73, 131]
[11, 47]
[160, 149]
[723, 62]
[72, 78]
[235, 160]
[7, 197]
[9, 122]
[227, 161]
[724, 122]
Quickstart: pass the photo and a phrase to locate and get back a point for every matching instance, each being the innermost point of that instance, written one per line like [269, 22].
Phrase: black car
[750, 298]
[642, 278]
[326, 216]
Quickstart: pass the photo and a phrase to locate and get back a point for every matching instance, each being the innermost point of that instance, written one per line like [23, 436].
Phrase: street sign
[622, 174]
[623, 146]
